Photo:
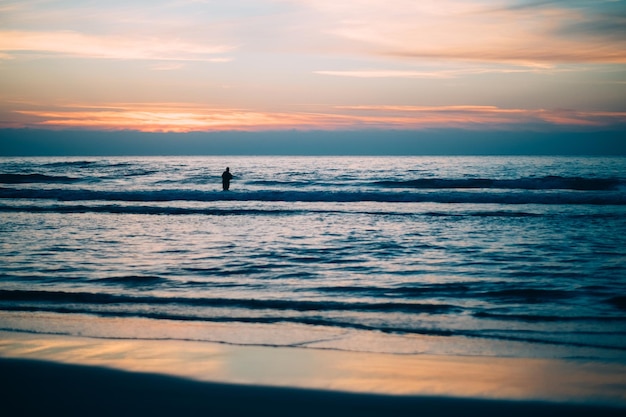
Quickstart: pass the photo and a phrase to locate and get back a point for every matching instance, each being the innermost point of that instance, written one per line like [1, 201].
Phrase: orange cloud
[174, 117]
[169, 117]
[467, 116]
[108, 47]
[477, 30]
[439, 73]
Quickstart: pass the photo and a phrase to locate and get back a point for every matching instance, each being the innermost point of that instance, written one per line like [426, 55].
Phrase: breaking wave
[423, 196]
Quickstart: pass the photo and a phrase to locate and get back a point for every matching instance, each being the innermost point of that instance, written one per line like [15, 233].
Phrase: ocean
[487, 256]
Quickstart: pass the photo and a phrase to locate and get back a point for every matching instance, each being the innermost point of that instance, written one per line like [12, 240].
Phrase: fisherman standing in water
[226, 177]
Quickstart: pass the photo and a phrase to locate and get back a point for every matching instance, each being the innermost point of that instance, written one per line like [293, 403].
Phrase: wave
[290, 184]
[72, 164]
[278, 211]
[153, 210]
[104, 163]
[132, 280]
[459, 290]
[529, 295]
[618, 301]
[95, 299]
[537, 318]
[540, 183]
[439, 196]
[274, 312]
[251, 304]
[482, 292]
[36, 178]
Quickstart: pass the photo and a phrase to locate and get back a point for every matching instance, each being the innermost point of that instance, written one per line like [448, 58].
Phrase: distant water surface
[466, 255]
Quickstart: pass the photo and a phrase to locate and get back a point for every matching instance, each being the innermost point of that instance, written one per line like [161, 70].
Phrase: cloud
[507, 32]
[70, 43]
[386, 74]
[520, 33]
[471, 115]
[439, 73]
[183, 117]
[163, 117]
[286, 52]
[167, 66]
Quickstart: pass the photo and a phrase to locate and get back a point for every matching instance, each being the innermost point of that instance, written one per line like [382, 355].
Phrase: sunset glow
[311, 65]
[188, 118]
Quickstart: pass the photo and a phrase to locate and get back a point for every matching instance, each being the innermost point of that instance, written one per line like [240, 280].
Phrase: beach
[332, 285]
[58, 375]
[313, 208]
[44, 388]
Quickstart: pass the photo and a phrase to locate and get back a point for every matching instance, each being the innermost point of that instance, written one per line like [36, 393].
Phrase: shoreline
[34, 387]
[573, 382]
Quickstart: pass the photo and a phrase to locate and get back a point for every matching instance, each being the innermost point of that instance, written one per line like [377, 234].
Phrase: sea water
[506, 256]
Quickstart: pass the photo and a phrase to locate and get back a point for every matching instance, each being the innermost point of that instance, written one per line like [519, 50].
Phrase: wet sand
[59, 375]
[46, 388]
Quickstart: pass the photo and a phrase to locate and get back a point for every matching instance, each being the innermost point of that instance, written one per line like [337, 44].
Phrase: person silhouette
[226, 177]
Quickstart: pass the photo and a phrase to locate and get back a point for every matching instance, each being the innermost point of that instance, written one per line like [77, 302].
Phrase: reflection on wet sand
[476, 377]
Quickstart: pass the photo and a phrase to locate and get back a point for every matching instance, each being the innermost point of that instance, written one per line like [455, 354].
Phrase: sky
[178, 66]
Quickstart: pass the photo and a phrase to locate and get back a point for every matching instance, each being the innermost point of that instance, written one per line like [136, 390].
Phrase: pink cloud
[71, 43]
[475, 30]
[175, 117]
